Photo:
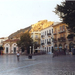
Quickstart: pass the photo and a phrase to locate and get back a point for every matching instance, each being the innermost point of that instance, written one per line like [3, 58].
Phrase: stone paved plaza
[43, 65]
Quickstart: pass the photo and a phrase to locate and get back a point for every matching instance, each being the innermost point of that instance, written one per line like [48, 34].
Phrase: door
[14, 49]
[6, 49]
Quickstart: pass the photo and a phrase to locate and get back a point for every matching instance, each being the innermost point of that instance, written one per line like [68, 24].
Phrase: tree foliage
[1, 48]
[25, 41]
[66, 12]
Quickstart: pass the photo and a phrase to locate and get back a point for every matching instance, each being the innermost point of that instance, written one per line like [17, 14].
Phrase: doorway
[7, 50]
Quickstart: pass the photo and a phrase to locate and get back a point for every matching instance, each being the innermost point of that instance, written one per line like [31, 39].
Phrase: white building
[2, 39]
[47, 39]
[10, 46]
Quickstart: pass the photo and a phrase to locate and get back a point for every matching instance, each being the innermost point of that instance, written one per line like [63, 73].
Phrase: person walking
[18, 55]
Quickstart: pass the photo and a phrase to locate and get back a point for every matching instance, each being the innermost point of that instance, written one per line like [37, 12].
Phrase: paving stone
[43, 65]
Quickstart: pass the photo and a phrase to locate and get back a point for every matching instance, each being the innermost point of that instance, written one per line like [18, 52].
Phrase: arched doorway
[1, 50]
[55, 46]
[7, 50]
[70, 46]
[14, 49]
[60, 47]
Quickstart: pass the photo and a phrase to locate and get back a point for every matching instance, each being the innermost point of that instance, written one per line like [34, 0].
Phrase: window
[60, 35]
[45, 32]
[49, 49]
[45, 40]
[41, 41]
[52, 30]
[64, 35]
[31, 36]
[60, 28]
[49, 40]
[36, 36]
[55, 36]
[63, 27]
[55, 29]
[49, 31]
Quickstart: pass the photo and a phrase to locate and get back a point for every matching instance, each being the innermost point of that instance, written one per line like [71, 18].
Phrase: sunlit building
[60, 35]
[47, 39]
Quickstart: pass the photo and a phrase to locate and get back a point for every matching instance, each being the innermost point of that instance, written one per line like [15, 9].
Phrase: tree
[25, 41]
[66, 12]
[1, 48]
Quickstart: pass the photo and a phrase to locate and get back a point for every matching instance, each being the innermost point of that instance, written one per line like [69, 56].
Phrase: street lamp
[33, 48]
[30, 49]
[30, 56]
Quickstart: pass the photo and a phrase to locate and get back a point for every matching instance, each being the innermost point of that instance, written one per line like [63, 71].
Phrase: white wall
[10, 48]
[44, 32]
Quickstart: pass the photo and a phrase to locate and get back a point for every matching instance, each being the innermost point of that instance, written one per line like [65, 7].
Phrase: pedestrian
[18, 55]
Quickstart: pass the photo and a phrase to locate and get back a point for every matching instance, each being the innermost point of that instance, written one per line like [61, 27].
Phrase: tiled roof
[11, 40]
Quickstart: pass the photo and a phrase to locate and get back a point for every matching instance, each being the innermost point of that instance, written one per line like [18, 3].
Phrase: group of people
[63, 51]
[59, 52]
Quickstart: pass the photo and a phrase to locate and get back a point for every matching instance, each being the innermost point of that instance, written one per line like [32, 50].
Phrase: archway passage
[14, 49]
[7, 50]
[70, 46]
[55, 47]
[1, 50]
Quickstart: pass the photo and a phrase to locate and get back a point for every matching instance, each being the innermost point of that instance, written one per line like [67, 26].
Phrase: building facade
[47, 39]
[60, 36]
[10, 46]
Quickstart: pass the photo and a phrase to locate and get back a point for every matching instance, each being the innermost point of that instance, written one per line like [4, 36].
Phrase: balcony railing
[42, 43]
[37, 38]
[61, 39]
[70, 39]
[49, 34]
[61, 31]
[55, 32]
[54, 40]
[42, 36]
[48, 42]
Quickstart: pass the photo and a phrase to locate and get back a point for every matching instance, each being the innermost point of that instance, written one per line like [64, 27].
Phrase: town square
[43, 65]
[37, 37]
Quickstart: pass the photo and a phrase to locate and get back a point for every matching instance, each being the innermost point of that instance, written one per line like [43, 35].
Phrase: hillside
[19, 32]
[35, 27]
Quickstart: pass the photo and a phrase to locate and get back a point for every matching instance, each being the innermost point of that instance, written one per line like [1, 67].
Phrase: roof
[11, 40]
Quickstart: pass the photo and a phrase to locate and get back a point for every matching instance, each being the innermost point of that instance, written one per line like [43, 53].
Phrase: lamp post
[30, 49]
[30, 56]
[33, 48]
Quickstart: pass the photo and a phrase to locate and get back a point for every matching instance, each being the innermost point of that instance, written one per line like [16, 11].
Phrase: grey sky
[19, 14]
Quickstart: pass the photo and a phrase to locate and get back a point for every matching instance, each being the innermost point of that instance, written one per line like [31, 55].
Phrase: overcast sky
[19, 14]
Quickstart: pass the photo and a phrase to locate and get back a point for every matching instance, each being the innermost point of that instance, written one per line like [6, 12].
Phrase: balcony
[48, 42]
[54, 40]
[62, 31]
[55, 32]
[62, 39]
[37, 38]
[42, 43]
[48, 34]
[69, 30]
[70, 39]
[42, 36]
[70, 36]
